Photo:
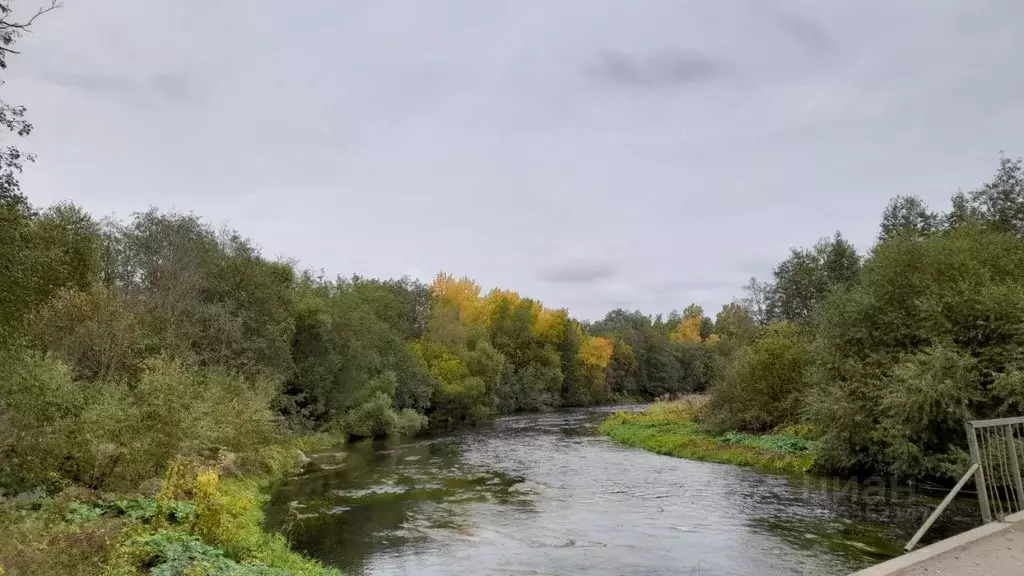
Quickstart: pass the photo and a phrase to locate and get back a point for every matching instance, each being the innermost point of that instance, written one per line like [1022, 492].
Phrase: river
[542, 494]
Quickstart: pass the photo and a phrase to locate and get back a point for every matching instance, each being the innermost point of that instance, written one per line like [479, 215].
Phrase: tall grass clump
[672, 429]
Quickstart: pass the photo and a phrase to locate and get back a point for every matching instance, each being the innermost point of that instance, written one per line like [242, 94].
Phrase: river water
[542, 494]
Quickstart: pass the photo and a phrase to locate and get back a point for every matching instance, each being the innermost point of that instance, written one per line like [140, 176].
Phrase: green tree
[371, 412]
[340, 347]
[97, 332]
[404, 304]
[537, 385]
[921, 342]
[206, 297]
[839, 259]
[735, 325]
[648, 360]
[536, 366]
[39, 255]
[67, 243]
[907, 215]
[622, 372]
[484, 362]
[17, 259]
[458, 396]
[697, 365]
[806, 278]
[800, 285]
[963, 212]
[693, 311]
[1000, 202]
[39, 402]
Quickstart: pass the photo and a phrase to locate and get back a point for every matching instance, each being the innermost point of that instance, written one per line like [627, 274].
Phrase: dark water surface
[541, 494]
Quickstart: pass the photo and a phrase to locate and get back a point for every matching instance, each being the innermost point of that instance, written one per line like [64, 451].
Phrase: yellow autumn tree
[596, 351]
[688, 330]
[463, 292]
[490, 302]
[549, 325]
[594, 355]
[535, 310]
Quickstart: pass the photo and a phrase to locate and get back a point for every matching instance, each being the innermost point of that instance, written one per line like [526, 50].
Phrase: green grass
[670, 429]
[202, 524]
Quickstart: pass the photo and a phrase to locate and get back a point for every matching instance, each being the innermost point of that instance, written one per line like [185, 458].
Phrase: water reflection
[540, 494]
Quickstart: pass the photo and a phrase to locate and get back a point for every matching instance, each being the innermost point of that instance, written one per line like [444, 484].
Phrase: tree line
[125, 343]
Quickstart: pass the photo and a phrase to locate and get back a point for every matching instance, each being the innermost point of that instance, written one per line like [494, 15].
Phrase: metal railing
[996, 448]
[996, 453]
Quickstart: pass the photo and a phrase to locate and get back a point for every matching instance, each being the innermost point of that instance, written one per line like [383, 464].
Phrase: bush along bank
[201, 519]
[672, 429]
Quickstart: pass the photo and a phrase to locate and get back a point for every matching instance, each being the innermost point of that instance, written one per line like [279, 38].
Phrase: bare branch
[54, 4]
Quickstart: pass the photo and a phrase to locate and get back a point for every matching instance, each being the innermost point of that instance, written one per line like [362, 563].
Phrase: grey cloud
[578, 270]
[659, 70]
[803, 30]
[168, 88]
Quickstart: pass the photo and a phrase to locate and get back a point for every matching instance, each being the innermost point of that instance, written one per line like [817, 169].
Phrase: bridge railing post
[979, 475]
[1018, 485]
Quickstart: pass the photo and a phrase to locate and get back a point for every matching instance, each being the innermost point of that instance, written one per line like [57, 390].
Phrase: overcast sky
[591, 153]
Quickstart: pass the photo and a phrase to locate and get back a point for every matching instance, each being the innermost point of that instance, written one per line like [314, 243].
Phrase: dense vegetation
[884, 357]
[879, 358]
[127, 344]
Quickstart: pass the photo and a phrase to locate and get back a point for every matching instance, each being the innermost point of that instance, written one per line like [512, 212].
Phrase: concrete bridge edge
[941, 547]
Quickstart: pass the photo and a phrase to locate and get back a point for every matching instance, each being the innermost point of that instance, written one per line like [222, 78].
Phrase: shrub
[373, 418]
[460, 402]
[927, 338]
[181, 554]
[693, 407]
[96, 332]
[372, 413]
[43, 543]
[772, 442]
[39, 406]
[115, 435]
[133, 431]
[229, 517]
[410, 422]
[376, 418]
[762, 387]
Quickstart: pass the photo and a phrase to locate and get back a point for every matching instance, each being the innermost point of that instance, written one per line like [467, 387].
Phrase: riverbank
[671, 429]
[201, 519]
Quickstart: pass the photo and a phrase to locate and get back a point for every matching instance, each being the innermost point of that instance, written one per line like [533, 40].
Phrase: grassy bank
[201, 521]
[671, 428]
